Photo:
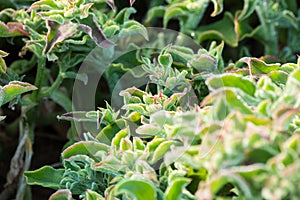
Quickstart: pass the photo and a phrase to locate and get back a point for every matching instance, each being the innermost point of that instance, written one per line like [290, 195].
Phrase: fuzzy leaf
[46, 176]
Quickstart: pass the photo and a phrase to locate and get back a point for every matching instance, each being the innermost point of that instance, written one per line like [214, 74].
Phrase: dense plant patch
[168, 119]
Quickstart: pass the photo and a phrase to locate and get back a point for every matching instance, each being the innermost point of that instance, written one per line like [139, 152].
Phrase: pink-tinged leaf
[61, 195]
[132, 2]
[91, 27]
[58, 33]
[13, 89]
[111, 4]
[12, 29]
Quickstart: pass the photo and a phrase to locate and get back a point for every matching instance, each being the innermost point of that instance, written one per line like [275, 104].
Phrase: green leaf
[92, 195]
[257, 66]
[224, 101]
[203, 63]
[119, 136]
[132, 27]
[14, 89]
[228, 177]
[153, 13]
[174, 191]
[231, 80]
[44, 5]
[161, 150]
[107, 134]
[61, 195]
[2, 117]
[46, 176]
[248, 9]
[124, 15]
[278, 77]
[222, 30]
[89, 148]
[137, 189]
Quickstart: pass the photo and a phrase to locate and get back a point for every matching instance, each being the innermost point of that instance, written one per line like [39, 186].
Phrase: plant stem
[39, 78]
[56, 83]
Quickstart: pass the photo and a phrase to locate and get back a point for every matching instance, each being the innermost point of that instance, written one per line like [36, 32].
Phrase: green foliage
[211, 123]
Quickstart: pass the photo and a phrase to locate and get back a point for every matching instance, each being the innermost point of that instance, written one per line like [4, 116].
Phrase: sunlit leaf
[89, 148]
[174, 191]
[137, 189]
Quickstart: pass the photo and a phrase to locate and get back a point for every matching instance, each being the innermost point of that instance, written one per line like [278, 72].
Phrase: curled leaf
[218, 7]
[58, 33]
[111, 3]
[2, 62]
[248, 9]
[13, 89]
[84, 148]
[91, 27]
[222, 29]
[257, 66]
[12, 29]
[174, 191]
